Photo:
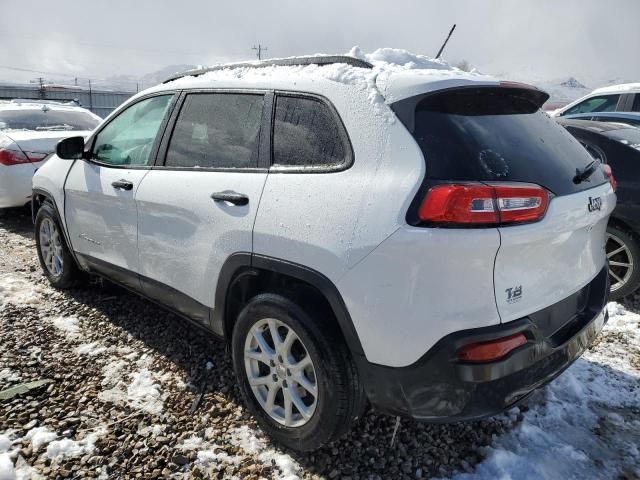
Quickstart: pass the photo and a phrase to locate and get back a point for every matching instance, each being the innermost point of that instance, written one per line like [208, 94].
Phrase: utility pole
[259, 49]
[43, 93]
[90, 97]
[446, 41]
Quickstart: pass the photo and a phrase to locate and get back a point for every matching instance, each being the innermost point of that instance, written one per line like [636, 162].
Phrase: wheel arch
[245, 275]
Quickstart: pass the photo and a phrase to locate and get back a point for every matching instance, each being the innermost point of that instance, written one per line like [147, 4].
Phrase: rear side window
[306, 133]
[217, 130]
[636, 103]
[604, 103]
[496, 134]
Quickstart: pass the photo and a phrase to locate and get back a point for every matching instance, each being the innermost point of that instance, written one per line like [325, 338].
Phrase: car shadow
[18, 221]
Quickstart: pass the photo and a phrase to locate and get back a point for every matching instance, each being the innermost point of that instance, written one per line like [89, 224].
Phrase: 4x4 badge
[595, 203]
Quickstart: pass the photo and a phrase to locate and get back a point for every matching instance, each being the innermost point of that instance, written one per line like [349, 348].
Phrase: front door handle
[235, 198]
[122, 184]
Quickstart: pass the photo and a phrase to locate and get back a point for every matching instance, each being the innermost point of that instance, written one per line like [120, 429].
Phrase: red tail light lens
[492, 350]
[609, 173]
[461, 204]
[12, 157]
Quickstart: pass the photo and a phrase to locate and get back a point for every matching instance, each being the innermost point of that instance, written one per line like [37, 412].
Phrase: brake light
[609, 173]
[12, 157]
[492, 350]
[494, 204]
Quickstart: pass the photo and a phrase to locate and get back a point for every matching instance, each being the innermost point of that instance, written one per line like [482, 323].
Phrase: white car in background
[614, 98]
[29, 132]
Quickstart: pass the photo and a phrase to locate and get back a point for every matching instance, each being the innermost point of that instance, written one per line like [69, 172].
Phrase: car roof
[620, 88]
[395, 74]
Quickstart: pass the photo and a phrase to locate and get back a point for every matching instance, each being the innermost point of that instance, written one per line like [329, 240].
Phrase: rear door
[100, 209]
[199, 207]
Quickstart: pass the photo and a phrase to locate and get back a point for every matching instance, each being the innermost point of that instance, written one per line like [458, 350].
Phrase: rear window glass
[497, 134]
[46, 120]
[306, 134]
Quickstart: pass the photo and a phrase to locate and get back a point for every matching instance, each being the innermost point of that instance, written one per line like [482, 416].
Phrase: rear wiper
[585, 173]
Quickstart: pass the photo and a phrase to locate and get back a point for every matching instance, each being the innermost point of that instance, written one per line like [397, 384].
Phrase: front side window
[217, 130]
[128, 138]
[604, 103]
[306, 133]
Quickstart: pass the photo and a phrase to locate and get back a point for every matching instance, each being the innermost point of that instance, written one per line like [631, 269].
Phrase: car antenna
[446, 41]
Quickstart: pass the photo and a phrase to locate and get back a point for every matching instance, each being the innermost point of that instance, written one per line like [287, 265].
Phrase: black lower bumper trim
[440, 388]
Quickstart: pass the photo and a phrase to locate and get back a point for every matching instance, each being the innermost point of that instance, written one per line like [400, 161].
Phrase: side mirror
[71, 148]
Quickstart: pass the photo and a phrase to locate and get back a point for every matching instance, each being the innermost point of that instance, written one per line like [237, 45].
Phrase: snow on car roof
[621, 88]
[36, 105]
[396, 74]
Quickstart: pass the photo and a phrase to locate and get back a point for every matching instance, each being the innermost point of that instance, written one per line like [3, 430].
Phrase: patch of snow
[209, 366]
[191, 443]
[39, 437]
[620, 88]
[7, 375]
[216, 455]
[91, 349]
[18, 291]
[6, 440]
[247, 440]
[143, 392]
[582, 424]
[6, 467]
[68, 448]
[68, 326]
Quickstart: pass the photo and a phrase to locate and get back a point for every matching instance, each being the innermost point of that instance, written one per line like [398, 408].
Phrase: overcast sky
[593, 40]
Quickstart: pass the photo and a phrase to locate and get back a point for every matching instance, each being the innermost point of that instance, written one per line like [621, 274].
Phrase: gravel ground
[125, 374]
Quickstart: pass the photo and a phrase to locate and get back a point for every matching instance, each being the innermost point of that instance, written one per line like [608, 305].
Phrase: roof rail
[279, 62]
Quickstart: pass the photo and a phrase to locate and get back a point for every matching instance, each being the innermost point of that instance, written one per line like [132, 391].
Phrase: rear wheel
[53, 253]
[623, 253]
[295, 373]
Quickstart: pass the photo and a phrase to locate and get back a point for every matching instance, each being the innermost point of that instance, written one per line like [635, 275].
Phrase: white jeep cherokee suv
[424, 240]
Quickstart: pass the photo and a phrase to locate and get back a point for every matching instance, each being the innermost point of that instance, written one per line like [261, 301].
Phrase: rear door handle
[235, 198]
[122, 184]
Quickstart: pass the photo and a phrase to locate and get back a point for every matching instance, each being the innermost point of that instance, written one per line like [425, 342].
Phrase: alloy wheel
[620, 262]
[280, 372]
[51, 247]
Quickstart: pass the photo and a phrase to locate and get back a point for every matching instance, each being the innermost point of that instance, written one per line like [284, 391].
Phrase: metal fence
[100, 102]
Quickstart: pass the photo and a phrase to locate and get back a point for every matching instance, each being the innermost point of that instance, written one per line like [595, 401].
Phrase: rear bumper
[15, 185]
[440, 388]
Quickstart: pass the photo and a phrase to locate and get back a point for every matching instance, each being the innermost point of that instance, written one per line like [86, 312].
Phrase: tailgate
[542, 263]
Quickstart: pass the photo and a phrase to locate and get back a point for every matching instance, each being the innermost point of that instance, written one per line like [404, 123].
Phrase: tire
[62, 272]
[339, 395]
[624, 280]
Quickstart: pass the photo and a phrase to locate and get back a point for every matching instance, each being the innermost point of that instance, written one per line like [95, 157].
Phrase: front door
[100, 192]
[199, 207]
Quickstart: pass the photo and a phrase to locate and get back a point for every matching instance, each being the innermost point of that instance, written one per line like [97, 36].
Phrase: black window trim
[263, 148]
[90, 142]
[339, 167]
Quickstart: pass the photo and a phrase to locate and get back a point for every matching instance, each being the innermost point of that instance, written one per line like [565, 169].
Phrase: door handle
[235, 198]
[122, 184]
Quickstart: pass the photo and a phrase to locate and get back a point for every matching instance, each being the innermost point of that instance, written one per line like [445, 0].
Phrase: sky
[595, 41]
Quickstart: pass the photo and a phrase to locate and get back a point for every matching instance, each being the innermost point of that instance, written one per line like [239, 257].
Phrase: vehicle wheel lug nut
[272, 363]
[274, 377]
[284, 383]
[288, 372]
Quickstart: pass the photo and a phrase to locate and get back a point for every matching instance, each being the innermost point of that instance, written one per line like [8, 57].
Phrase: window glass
[47, 119]
[217, 130]
[497, 134]
[636, 103]
[128, 138]
[605, 103]
[305, 133]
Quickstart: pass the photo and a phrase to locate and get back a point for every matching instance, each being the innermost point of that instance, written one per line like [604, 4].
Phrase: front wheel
[53, 253]
[623, 253]
[295, 373]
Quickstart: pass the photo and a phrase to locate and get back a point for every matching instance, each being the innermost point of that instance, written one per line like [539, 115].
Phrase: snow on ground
[581, 425]
[68, 326]
[15, 289]
[68, 448]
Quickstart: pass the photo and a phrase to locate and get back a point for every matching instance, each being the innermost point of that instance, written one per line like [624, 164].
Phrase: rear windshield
[496, 134]
[46, 120]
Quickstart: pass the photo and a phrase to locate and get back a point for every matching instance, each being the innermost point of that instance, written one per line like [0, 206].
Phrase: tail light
[12, 157]
[609, 173]
[492, 350]
[463, 204]
[16, 157]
